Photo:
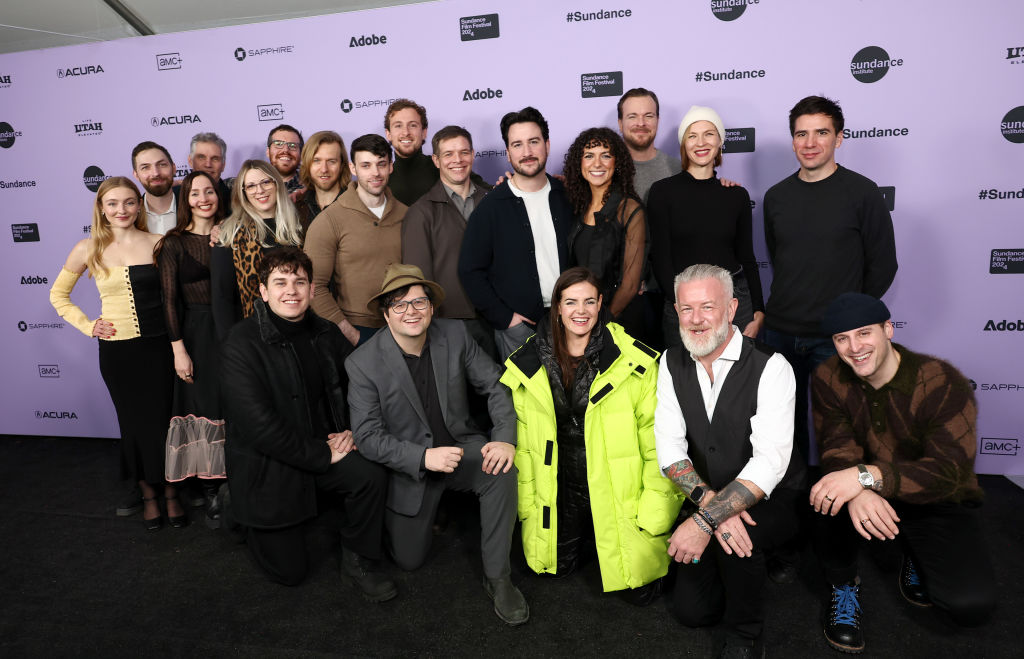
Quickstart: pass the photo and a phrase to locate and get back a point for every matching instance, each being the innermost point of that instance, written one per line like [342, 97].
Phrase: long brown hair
[559, 344]
[184, 213]
[102, 236]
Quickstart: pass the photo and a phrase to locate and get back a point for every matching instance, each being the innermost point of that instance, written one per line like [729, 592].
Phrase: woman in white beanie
[695, 219]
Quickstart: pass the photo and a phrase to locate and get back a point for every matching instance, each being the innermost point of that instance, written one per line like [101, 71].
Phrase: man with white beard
[724, 434]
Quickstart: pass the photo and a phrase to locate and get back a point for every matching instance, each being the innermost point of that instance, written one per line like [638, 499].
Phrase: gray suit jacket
[388, 420]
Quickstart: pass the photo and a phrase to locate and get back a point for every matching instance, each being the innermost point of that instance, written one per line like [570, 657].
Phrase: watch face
[865, 479]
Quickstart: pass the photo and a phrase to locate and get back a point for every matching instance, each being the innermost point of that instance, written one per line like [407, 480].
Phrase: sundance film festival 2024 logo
[1006, 262]
[473, 28]
[872, 63]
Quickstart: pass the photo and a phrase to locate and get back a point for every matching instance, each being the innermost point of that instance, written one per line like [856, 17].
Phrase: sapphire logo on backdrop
[92, 177]
[481, 94]
[370, 103]
[484, 26]
[872, 63]
[242, 53]
[49, 370]
[1006, 262]
[175, 120]
[76, 71]
[1012, 126]
[593, 85]
[270, 112]
[738, 140]
[26, 232]
[730, 10]
[368, 40]
[33, 279]
[5, 81]
[1015, 54]
[492, 153]
[62, 415]
[168, 61]
[89, 127]
[1000, 445]
[24, 327]
[889, 195]
[8, 135]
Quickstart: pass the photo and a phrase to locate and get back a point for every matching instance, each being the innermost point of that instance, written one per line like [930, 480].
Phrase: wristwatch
[868, 481]
[696, 494]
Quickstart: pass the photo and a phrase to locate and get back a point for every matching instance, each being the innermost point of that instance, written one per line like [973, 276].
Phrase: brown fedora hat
[399, 275]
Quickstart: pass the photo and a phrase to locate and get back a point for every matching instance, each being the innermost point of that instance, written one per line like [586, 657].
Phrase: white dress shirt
[771, 427]
[161, 222]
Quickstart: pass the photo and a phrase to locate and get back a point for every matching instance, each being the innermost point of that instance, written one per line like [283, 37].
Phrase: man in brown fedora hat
[407, 395]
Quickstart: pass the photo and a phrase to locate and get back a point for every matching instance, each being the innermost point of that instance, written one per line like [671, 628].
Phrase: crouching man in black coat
[284, 389]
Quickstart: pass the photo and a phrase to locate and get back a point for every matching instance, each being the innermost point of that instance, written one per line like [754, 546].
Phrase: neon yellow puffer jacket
[632, 503]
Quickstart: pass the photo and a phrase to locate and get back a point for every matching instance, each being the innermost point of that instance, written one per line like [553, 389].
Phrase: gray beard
[705, 347]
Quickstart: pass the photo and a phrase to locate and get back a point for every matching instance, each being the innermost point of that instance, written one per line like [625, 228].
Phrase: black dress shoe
[642, 596]
[153, 523]
[131, 504]
[842, 619]
[368, 577]
[212, 504]
[509, 603]
[180, 521]
[781, 571]
[911, 586]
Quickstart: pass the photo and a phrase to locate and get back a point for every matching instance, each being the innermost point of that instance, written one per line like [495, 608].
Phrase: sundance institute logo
[92, 177]
[871, 64]
[1012, 126]
[730, 10]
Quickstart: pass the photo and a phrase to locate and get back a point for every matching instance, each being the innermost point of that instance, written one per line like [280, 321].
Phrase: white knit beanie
[701, 113]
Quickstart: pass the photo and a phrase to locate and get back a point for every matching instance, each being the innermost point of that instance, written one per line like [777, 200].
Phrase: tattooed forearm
[684, 476]
[733, 499]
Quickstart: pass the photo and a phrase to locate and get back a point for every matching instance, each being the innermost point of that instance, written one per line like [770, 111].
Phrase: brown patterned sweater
[919, 428]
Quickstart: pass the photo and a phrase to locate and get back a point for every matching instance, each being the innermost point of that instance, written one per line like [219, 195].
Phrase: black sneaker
[911, 586]
[842, 622]
[368, 577]
[131, 504]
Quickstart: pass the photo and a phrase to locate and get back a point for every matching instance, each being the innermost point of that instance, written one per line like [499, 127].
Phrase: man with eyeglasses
[352, 240]
[284, 143]
[408, 401]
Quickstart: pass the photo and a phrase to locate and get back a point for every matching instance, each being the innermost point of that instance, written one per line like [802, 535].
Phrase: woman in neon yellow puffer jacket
[585, 394]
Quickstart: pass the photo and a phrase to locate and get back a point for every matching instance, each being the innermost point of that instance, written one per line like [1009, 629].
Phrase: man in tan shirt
[354, 239]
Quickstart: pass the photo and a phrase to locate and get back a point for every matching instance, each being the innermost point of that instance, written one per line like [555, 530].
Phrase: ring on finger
[865, 521]
[726, 536]
[829, 498]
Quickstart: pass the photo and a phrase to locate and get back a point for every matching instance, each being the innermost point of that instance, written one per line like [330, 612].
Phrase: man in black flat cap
[897, 435]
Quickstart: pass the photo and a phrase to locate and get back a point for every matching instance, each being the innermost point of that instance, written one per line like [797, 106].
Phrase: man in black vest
[724, 433]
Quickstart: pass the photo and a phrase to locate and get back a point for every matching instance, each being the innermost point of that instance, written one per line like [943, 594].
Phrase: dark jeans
[803, 353]
[944, 540]
[729, 588]
[362, 486]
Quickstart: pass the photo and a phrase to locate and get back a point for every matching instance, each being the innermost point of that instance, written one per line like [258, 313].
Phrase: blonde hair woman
[134, 354]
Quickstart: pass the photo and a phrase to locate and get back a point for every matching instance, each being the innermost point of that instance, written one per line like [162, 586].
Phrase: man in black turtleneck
[288, 432]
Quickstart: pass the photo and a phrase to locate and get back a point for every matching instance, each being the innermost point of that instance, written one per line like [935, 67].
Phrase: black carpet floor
[75, 580]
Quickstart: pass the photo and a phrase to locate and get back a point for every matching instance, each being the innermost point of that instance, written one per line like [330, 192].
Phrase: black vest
[720, 448]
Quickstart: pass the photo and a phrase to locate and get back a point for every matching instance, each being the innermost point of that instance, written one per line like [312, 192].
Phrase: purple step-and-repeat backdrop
[934, 116]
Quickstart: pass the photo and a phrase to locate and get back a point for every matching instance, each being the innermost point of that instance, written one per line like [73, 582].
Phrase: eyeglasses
[265, 184]
[419, 304]
[280, 144]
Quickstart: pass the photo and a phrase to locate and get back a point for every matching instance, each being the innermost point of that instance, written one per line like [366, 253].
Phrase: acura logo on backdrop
[1012, 126]
[53, 414]
[75, 71]
[871, 64]
[92, 177]
[175, 120]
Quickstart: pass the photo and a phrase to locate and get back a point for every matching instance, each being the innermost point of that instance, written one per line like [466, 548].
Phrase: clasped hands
[870, 513]
[498, 456]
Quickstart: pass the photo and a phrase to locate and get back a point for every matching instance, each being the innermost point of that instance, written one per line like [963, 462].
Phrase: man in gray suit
[407, 396]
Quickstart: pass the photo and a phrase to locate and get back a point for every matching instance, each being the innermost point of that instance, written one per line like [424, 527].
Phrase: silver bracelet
[701, 524]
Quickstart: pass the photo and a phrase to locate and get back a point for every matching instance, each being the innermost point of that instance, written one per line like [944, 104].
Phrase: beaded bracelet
[708, 518]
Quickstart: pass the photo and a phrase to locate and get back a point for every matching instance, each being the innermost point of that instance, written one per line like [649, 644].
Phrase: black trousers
[944, 540]
[730, 589]
[361, 489]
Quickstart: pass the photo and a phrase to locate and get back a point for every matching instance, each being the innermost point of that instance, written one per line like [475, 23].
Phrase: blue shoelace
[911, 577]
[846, 607]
